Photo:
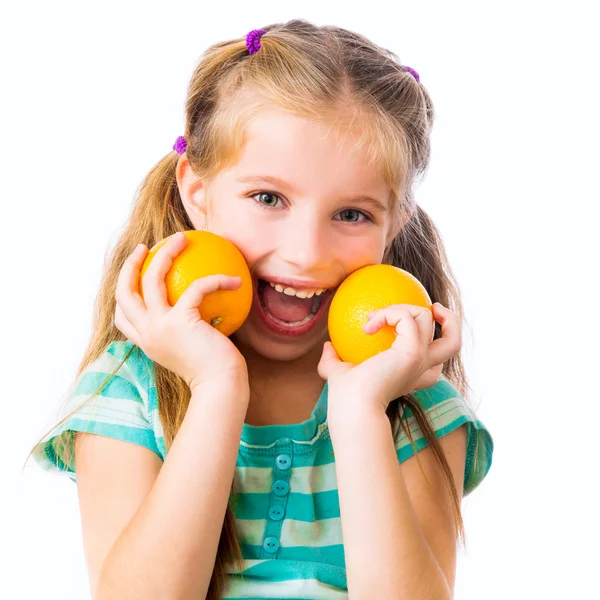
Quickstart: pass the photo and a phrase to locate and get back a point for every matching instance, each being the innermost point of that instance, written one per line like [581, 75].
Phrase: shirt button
[283, 461]
[276, 513]
[280, 487]
[271, 545]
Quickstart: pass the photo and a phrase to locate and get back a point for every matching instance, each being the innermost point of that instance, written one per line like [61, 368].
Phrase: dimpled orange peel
[206, 254]
[367, 289]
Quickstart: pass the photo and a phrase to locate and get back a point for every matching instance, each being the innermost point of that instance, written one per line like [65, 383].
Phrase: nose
[306, 245]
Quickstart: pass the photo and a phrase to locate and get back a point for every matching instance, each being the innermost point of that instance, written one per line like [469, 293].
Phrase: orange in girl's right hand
[206, 254]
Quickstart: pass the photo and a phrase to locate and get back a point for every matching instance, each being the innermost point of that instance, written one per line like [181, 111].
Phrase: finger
[402, 318]
[390, 316]
[125, 327]
[426, 324]
[127, 292]
[407, 329]
[198, 289]
[153, 282]
[449, 344]
[330, 362]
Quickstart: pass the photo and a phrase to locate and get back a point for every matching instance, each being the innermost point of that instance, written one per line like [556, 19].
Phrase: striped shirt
[286, 504]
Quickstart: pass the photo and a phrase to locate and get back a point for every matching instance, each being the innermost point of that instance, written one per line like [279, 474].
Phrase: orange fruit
[371, 288]
[205, 254]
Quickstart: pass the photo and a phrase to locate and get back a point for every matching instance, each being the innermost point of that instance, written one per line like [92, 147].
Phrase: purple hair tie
[413, 73]
[253, 40]
[180, 145]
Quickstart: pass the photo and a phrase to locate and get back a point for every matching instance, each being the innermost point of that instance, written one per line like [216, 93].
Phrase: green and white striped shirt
[286, 504]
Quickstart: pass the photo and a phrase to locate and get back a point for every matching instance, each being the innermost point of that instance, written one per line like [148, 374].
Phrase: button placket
[282, 464]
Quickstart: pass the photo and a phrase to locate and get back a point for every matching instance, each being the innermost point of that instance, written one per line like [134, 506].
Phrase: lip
[280, 330]
[297, 284]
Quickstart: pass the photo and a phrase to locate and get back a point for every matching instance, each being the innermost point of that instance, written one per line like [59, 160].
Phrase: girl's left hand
[413, 362]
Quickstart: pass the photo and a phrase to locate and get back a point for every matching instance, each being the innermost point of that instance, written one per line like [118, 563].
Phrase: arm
[152, 531]
[398, 527]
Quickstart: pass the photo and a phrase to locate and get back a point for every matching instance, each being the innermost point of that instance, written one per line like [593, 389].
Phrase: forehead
[314, 152]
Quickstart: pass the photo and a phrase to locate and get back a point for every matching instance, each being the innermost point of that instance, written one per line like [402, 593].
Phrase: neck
[281, 392]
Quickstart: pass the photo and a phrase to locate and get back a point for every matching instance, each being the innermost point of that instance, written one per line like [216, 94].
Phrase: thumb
[330, 362]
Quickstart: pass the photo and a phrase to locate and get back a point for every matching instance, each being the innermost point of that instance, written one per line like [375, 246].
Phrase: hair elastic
[412, 72]
[253, 40]
[180, 145]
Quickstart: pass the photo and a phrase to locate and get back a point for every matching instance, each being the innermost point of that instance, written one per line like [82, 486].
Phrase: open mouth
[291, 308]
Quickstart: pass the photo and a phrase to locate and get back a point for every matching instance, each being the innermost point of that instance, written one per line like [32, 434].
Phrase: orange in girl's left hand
[206, 254]
[371, 288]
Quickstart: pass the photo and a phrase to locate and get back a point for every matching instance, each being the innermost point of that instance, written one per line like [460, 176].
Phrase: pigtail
[419, 249]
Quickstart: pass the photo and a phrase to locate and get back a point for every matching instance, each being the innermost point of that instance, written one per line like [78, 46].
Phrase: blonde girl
[260, 465]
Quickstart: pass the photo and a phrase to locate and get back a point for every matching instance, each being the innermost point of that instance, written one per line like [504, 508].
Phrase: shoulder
[447, 412]
[115, 396]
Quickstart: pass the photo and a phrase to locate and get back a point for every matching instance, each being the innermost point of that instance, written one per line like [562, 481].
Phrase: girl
[260, 465]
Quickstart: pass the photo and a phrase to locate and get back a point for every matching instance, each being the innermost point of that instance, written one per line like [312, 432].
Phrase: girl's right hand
[176, 337]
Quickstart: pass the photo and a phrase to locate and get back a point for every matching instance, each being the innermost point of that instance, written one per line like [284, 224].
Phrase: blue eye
[266, 199]
[352, 216]
[350, 213]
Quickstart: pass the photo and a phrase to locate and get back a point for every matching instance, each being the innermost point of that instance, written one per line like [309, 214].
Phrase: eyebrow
[361, 199]
[267, 179]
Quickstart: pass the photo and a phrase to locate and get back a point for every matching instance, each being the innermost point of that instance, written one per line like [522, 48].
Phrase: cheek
[248, 235]
[357, 253]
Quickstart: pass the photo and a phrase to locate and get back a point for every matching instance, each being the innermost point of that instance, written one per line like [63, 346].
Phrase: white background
[93, 95]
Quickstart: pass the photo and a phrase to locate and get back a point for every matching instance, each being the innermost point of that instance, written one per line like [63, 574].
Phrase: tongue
[284, 307]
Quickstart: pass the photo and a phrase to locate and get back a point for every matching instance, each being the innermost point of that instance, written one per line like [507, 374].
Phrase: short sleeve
[115, 396]
[447, 410]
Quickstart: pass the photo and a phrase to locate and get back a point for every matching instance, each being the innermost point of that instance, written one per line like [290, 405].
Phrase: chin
[248, 340]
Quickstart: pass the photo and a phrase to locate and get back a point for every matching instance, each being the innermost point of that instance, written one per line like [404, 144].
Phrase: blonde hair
[323, 73]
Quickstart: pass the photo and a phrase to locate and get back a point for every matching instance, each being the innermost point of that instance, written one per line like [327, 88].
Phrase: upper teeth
[290, 291]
